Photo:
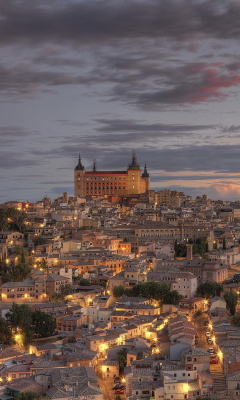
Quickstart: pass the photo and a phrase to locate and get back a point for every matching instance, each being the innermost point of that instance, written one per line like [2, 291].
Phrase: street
[106, 384]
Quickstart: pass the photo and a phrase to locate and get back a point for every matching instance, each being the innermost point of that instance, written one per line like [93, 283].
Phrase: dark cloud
[218, 176]
[96, 21]
[231, 129]
[24, 79]
[14, 160]
[121, 125]
[12, 131]
[139, 66]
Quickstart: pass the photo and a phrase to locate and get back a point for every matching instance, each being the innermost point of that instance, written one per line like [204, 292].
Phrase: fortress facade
[110, 183]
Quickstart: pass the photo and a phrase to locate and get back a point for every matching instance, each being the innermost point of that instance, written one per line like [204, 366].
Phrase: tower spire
[94, 165]
[79, 166]
[145, 174]
[134, 164]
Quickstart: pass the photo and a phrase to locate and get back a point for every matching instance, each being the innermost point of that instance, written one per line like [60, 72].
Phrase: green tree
[172, 297]
[180, 250]
[19, 318]
[56, 297]
[65, 290]
[38, 241]
[20, 272]
[200, 246]
[235, 278]
[118, 291]
[16, 219]
[236, 319]
[5, 332]
[149, 290]
[44, 324]
[28, 395]
[231, 299]
[21, 254]
[209, 289]
[84, 282]
[224, 244]
[122, 360]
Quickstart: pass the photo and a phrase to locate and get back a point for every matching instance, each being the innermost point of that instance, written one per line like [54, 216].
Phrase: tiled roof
[55, 277]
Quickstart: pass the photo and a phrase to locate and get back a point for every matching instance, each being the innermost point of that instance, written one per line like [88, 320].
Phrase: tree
[5, 332]
[209, 289]
[231, 299]
[15, 273]
[38, 241]
[44, 324]
[172, 297]
[12, 219]
[122, 360]
[224, 244]
[236, 319]
[118, 291]
[20, 319]
[21, 254]
[149, 290]
[235, 278]
[65, 290]
[180, 250]
[28, 395]
[84, 282]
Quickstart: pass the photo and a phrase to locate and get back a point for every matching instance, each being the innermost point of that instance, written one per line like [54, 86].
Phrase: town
[119, 292]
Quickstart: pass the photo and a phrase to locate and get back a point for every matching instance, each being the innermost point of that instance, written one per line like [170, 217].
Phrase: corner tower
[79, 172]
[134, 176]
[146, 178]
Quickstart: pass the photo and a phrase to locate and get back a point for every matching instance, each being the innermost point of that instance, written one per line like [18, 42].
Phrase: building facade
[110, 183]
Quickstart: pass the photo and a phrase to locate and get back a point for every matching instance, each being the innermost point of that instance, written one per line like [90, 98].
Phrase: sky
[105, 77]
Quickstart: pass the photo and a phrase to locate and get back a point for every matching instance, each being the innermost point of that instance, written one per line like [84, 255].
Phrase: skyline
[102, 78]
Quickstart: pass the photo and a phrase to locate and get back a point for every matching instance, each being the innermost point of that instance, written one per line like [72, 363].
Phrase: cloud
[126, 126]
[14, 160]
[226, 190]
[97, 21]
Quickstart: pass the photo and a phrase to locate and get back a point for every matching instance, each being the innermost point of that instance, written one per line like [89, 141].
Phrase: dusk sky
[105, 77]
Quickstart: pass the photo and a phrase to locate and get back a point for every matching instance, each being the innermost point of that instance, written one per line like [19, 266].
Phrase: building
[110, 183]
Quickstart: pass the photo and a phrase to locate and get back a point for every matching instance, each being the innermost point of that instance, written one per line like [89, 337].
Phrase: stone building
[111, 183]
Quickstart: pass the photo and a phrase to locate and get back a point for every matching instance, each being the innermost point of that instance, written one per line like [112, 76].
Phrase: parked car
[209, 341]
[118, 386]
[205, 323]
[117, 379]
[208, 334]
[213, 361]
[119, 391]
[196, 341]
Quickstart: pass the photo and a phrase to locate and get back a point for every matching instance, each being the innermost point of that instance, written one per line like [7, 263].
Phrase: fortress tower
[110, 183]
